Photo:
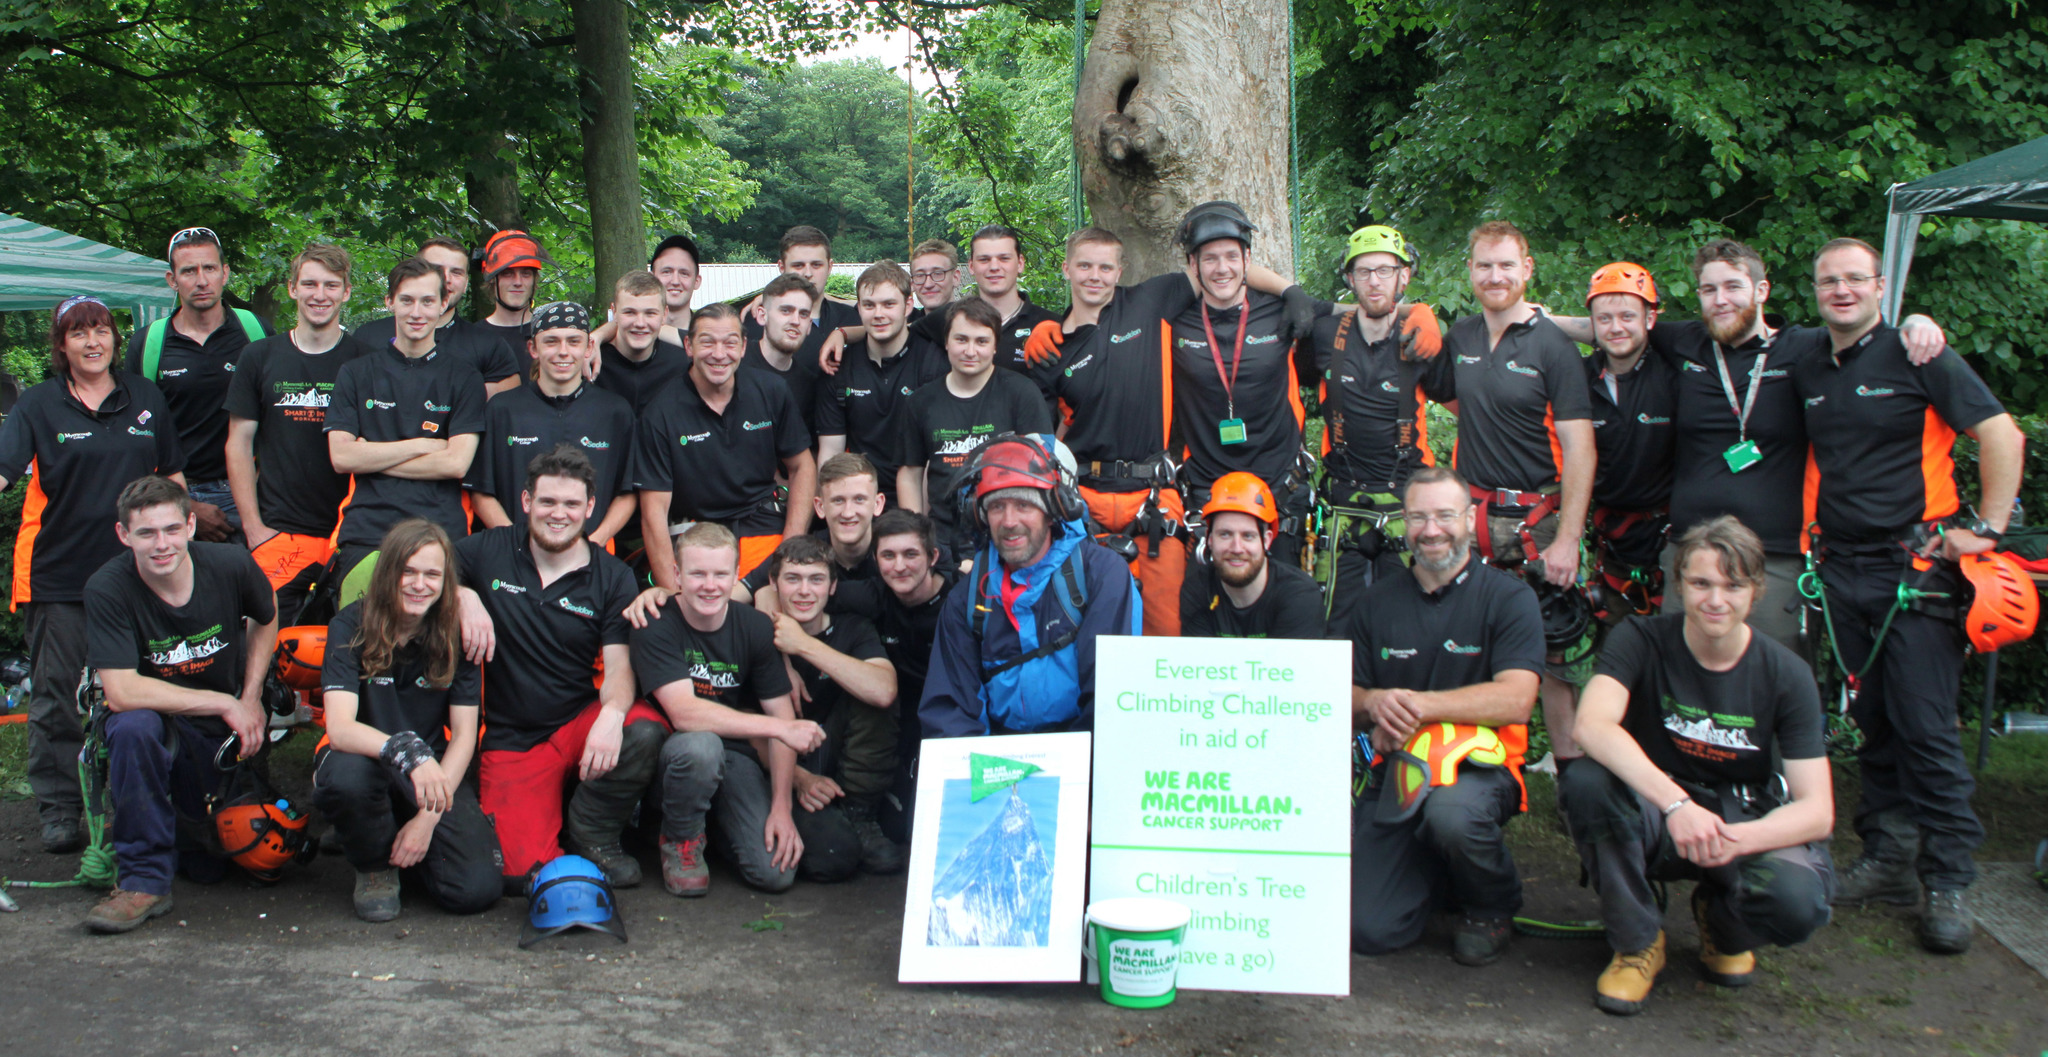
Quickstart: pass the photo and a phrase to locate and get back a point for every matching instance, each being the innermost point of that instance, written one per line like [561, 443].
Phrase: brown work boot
[1628, 978]
[1728, 970]
[124, 911]
[683, 871]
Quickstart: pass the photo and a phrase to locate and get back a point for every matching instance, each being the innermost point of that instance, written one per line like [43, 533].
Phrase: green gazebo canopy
[2009, 185]
[40, 266]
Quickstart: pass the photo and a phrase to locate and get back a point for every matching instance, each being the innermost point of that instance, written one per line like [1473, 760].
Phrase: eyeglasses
[1382, 273]
[1853, 282]
[1445, 518]
[930, 276]
[194, 235]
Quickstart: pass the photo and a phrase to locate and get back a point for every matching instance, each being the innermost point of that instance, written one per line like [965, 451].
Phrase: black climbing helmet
[1214, 220]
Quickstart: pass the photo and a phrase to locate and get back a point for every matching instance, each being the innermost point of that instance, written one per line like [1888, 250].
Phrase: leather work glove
[1421, 337]
[1043, 346]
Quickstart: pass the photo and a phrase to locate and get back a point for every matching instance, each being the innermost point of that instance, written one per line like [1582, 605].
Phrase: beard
[1460, 545]
[1251, 573]
[551, 546]
[1508, 297]
[1738, 329]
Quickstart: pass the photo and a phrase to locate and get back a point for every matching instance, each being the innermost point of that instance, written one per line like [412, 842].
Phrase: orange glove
[1421, 337]
[1043, 346]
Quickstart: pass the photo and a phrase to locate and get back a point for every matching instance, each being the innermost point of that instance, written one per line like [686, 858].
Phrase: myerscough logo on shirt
[581, 611]
[1469, 359]
[752, 426]
[1451, 646]
[693, 438]
[64, 437]
[1519, 369]
[1119, 339]
[374, 404]
[510, 589]
[1864, 390]
[1648, 419]
[380, 680]
[594, 445]
[520, 442]
[1691, 366]
[439, 409]
[1812, 400]
[1390, 653]
[851, 391]
[1084, 361]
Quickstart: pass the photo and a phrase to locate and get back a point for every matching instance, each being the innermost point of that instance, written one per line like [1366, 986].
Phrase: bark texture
[611, 156]
[1182, 102]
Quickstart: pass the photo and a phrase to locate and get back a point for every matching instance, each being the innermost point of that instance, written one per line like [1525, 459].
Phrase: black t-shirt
[638, 382]
[720, 466]
[1482, 623]
[400, 698]
[1633, 432]
[515, 338]
[862, 402]
[1266, 394]
[550, 639]
[389, 396]
[1706, 728]
[853, 636]
[1291, 606]
[194, 378]
[482, 349]
[1365, 395]
[1767, 496]
[1509, 399]
[1010, 338]
[77, 462]
[736, 666]
[286, 392]
[1884, 431]
[198, 645]
[865, 569]
[522, 422]
[907, 632]
[1111, 378]
[940, 431]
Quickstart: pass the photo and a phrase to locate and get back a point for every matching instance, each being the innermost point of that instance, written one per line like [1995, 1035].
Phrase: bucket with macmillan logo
[1136, 943]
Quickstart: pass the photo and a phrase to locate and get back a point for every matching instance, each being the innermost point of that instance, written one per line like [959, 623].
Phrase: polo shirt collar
[412, 361]
[1856, 348]
[563, 401]
[1464, 574]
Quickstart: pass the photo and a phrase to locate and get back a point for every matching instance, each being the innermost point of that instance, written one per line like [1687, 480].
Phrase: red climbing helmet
[2004, 604]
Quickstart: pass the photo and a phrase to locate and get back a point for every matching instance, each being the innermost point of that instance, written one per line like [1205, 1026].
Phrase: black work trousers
[1450, 853]
[367, 801]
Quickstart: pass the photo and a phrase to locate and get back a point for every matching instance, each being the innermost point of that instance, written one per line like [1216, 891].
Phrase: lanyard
[1756, 373]
[1244, 320]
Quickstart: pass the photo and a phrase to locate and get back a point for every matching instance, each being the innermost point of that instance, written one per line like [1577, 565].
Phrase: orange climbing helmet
[2004, 604]
[1622, 277]
[263, 836]
[301, 651]
[1243, 493]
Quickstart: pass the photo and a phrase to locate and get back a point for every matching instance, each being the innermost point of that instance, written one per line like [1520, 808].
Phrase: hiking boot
[878, 854]
[1481, 941]
[1728, 970]
[124, 911]
[620, 870]
[1626, 982]
[683, 871]
[62, 836]
[377, 894]
[1946, 923]
[1874, 880]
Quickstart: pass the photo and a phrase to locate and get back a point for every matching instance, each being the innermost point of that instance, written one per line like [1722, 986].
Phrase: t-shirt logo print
[180, 655]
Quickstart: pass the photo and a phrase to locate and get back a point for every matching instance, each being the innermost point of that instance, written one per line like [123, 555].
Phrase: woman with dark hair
[79, 436]
[402, 706]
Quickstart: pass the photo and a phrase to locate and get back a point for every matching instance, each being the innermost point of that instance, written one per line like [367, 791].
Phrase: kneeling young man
[712, 665]
[1680, 724]
[181, 633]
[402, 706]
[1445, 658]
[1241, 593]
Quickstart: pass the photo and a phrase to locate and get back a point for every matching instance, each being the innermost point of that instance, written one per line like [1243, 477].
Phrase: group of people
[511, 675]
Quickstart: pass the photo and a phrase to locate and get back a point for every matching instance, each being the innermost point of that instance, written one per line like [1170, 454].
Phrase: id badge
[1231, 430]
[1742, 456]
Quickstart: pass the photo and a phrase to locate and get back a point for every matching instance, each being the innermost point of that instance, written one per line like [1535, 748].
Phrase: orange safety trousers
[285, 555]
[1159, 578]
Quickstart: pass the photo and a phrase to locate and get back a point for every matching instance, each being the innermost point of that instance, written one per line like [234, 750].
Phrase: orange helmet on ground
[1622, 277]
[263, 836]
[1243, 493]
[301, 651]
[2004, 604]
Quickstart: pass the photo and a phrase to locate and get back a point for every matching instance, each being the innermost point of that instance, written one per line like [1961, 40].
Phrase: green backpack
[153, 338]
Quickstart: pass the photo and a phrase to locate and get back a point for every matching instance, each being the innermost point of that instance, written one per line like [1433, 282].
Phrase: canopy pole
[1901, 234]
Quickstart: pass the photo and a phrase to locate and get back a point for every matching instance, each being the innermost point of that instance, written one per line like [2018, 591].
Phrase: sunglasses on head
[194, 235]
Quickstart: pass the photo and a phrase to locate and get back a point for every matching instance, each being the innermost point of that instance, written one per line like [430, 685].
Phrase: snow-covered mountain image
[997, 892]
[305, 398]
[1706, 730]
[185, 652]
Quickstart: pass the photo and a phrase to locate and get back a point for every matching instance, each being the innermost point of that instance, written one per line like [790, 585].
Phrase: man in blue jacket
[1015, 652]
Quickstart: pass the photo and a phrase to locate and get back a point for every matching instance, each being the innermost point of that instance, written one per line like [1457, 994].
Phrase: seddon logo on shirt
[1119, 339]
[594, 445]
[1262, 339]
[510, 589]
[1519, 369]
[1390, 653]
[142, 432]
[439, 409]
[1648, 419]
[520, 442]
[1021, 332]
[1389, 387]
[581, 611]
[1864, 390]
[752, 426]
[1451, 646]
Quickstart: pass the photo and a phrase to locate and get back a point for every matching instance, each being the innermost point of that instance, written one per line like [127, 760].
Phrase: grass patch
[14, 761]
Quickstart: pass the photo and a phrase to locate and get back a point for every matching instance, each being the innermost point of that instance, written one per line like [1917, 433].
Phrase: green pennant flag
[990, 774]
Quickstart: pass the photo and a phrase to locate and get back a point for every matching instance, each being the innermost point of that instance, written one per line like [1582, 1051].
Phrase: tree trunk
[611, 155]
[1182, 102]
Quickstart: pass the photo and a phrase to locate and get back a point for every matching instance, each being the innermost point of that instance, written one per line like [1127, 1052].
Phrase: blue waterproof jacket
[969, 691]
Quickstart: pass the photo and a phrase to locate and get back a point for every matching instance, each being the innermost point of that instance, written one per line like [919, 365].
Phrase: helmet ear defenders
[1019, 460]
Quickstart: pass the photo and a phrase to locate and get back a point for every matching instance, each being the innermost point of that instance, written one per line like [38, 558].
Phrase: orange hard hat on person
[2004, 604]
[512, 248]
[1243, 493]
[1622, 277]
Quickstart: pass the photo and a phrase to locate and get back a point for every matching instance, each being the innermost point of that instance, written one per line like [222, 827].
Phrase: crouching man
[1680, 724]
[181, 633]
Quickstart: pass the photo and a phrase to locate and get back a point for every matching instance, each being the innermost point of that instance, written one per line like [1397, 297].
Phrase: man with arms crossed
[472, 343]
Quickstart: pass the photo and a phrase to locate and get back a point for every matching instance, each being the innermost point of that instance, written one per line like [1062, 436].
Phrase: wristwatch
[1984, 529]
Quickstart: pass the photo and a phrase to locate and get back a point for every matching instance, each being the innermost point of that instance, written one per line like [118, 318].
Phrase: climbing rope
[1813, 589]
[96, 865]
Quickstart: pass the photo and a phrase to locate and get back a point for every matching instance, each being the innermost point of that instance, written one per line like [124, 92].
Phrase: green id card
[1742, 456]
[1231, 430]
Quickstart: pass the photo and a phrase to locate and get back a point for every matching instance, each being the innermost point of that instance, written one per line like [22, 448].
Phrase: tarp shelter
[2009, 185]
[40, 266]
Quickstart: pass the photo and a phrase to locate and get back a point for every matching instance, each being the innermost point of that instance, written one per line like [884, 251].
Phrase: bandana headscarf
[557, 315]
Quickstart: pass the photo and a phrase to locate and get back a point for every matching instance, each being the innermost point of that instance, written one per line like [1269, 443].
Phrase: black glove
[1300, 309]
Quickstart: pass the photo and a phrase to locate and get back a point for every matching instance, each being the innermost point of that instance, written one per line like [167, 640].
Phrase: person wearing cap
[404, 423]
[710, 447]
[86, 431]
[277, 411]
[635, 360]
[1706, 760]
[857, 407]
[1635, 400]
[560, 407]
[191, 357]
[512, 261]
[934, 276]
[1444, 657]
[483, 350]
[1369, 365]
[945, 421]
[1015, 650]
[1239, 594]
[1236, 395]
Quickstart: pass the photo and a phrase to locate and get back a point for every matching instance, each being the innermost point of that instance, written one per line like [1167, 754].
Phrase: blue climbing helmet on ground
[570, 892]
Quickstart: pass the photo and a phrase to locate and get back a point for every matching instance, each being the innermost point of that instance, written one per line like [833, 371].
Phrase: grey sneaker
[1946, 924]
[620, 870]
[878, 854]
[1873, 880]
[683, 871]
[377, 894]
